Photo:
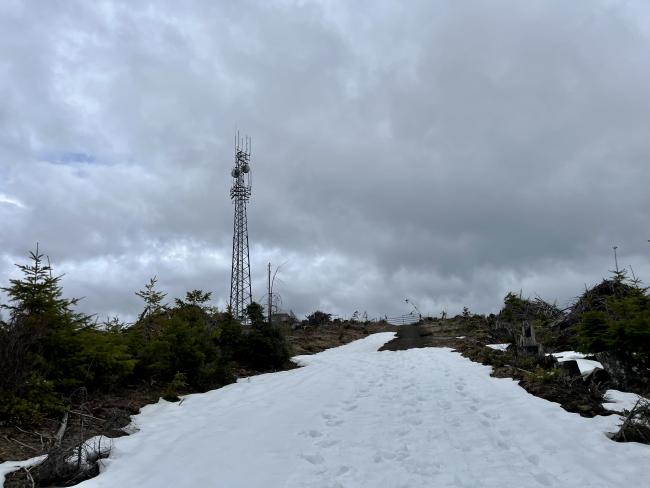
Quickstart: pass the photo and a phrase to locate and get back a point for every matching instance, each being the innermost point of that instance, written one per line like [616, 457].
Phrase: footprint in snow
[402, 432]
[343, 470]
[325, 443]
[492, 415]
[533, 459]
[550, 448]
[313, 458]
[402, 453]
[311, 433]
[383, 456]
[333, 422]
[542, 479]
[444, 404]
[502, 444]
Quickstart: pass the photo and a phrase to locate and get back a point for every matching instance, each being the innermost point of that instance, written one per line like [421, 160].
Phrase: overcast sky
[446, 151]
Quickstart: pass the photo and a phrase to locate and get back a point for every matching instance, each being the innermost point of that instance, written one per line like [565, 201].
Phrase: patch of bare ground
[99, 414]
[311, 340]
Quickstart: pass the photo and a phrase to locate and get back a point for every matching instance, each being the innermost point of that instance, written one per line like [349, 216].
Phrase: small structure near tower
[240, 193]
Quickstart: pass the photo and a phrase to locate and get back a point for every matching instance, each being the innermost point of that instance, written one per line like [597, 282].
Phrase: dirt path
[409, 337]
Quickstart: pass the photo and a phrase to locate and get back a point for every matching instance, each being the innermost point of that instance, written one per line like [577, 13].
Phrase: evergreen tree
[255, 314]
[152, 298]
[38, 292]
[47, 349]
[195, 298]
[153, 305]
[622, 325]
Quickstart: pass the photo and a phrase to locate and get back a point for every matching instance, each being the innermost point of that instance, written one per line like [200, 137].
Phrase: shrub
[266, 348]
[187, 340]
[636, 425]
[30, 404]
[622, 326]
[541, 375]
[319, 318]
[174, 387]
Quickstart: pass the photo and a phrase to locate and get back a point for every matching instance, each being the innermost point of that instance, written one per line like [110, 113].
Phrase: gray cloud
[443, 151]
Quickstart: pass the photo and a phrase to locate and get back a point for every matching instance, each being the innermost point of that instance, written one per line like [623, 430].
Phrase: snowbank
[586, 365]
[10, 466]
[620, 400]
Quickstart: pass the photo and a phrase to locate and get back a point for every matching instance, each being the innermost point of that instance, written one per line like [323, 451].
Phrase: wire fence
[407, 319]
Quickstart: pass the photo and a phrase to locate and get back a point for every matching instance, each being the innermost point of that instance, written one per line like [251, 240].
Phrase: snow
[620, 400]
[355, 417]
[567, 355]
[9, 466]
[586, 365]
[460, 337]
[498, 347]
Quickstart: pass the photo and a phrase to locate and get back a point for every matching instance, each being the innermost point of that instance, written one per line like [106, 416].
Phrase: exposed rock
[570, 367]
[598, 377]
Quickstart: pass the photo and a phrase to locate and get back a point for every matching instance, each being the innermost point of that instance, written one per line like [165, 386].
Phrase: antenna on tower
[240, 193]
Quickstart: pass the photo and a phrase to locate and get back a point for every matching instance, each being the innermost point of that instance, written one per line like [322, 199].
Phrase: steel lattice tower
[240, 276]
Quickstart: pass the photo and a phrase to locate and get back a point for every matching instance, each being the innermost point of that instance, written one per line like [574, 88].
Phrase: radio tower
[240, 193]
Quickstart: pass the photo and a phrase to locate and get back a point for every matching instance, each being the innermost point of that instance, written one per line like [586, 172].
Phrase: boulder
[570, 367]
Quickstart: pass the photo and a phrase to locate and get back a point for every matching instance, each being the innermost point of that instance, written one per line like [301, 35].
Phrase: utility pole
[615, 258]
[270, 295]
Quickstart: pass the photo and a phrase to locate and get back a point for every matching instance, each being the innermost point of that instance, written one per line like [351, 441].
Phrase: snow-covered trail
[355, 417]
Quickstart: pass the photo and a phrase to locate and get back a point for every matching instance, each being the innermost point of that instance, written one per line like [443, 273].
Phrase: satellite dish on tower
[235, 173]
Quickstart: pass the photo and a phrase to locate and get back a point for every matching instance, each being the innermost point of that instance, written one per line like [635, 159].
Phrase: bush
[179, 340]
[319, 318]
[30, 404]
[622, 327]
[266, 348]
[174, 387]
[541, 375]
